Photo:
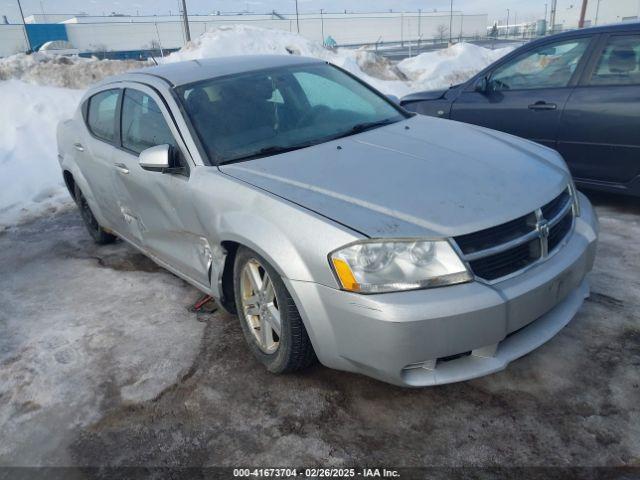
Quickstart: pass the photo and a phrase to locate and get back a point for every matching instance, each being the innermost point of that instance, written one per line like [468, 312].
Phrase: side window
[102, 114]
[322, 91]
[549, 66]
[143, 125]
[619, 63]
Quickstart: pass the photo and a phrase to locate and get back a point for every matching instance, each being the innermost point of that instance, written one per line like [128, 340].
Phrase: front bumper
[450, 334]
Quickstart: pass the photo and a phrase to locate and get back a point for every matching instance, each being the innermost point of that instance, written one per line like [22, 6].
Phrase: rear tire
[99, 234]
[265, 306]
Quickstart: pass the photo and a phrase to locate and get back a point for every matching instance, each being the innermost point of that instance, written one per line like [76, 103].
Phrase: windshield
[261, 113]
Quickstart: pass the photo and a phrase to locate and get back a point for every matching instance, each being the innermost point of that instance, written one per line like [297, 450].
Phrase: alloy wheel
[260, 306]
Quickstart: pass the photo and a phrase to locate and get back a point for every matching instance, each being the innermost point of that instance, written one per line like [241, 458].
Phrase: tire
[99, 234]
[294, 351]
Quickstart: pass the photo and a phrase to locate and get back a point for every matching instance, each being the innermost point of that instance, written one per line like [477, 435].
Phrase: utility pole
[297, 17]
[24, 25]
[451, 24]
[322, 24]
[507, 31]
[185, 18]
[583, 12]
[552, 19]
[597, 12]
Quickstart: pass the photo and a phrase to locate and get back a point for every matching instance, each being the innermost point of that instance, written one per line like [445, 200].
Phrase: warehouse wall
[12, 40]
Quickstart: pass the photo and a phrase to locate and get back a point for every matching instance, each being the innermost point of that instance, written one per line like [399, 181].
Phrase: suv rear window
[102, 114]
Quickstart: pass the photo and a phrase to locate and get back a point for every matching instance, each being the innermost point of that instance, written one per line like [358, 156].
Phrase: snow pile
[31, 182]
[430, 70]
[60, 71]
[450, 66]
[248, 40]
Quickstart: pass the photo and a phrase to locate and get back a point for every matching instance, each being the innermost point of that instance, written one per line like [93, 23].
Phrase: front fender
[293, 239]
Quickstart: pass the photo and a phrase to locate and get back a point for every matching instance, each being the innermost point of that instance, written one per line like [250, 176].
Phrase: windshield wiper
[263, 152]
[363, 127]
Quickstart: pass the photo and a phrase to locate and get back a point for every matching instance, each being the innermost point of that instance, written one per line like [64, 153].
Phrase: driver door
[525, 96]
[155, 205]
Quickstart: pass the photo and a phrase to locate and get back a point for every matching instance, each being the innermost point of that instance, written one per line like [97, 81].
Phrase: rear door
[95, 152]
[599, 135]
[525, 95]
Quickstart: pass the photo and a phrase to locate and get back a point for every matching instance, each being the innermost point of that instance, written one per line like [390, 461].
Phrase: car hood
[416, 178]
[421, 96]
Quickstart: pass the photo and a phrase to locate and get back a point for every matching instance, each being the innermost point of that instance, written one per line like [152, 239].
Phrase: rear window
[102, 114]
[619, 64]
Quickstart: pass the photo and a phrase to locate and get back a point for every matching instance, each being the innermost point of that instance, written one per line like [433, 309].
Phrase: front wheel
[269, 317]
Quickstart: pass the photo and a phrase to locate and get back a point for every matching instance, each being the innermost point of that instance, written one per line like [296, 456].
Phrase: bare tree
[443, 31]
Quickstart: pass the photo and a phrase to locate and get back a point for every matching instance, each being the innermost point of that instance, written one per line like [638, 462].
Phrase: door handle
[543, 106]
[79, 147]
[122, 168]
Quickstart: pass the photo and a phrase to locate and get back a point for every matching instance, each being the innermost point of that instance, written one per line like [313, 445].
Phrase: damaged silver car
[415, 250]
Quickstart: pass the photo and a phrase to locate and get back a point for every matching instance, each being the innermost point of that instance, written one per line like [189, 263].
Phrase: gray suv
[415, 250]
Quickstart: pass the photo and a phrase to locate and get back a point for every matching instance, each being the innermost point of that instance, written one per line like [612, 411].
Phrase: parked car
[577, 92]
[335, 223]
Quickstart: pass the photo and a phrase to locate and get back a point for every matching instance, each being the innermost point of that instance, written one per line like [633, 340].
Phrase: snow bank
[31, 182]
[55, 70]
[431, 70]
[233, 40]
[450, 66]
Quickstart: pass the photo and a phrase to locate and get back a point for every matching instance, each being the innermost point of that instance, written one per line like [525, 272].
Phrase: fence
[346, 29]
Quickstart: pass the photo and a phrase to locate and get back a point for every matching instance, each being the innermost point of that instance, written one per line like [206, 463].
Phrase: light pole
[507, 31]
[24, 25]
[185, 19]
[451, 23]
[297, 17]
[583, 12]
[552, 16]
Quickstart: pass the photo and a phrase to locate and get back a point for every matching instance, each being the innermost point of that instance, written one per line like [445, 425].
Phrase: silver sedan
[336, 225]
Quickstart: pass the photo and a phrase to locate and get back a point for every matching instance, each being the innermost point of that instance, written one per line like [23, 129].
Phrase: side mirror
[156, 159]
[394, 99]
[482, 86]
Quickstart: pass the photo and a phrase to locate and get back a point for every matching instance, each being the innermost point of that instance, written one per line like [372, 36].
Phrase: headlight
[377, 266]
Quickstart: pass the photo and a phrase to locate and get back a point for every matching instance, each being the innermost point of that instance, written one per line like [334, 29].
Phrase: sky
[496, 9]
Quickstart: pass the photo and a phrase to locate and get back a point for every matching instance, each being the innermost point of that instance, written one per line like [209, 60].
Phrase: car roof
[181, 73]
